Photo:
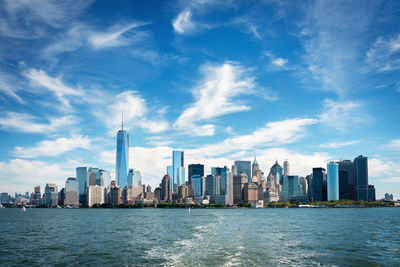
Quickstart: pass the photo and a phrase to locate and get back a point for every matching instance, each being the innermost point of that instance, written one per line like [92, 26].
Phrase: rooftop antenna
[122, 124]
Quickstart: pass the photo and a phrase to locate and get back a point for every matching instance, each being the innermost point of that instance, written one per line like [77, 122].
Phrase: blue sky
[309, 81]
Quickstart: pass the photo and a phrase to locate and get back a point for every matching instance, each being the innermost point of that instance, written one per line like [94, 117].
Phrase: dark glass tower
[195, 169]
[319, 190]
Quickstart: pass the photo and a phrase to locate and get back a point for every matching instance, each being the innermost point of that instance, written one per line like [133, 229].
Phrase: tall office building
[332, 181]
[166, 188]
[255, 171]
[213, 185]
[286, 168]
[361, 181]
[122, 163]
[178, 166]
[239, 181]
[243, 166]
[82, 175]
[197, 185]
[303, 185]
[290, 188]
[93, 176]
[318, 184]
[135, 182]
[226, 187]
[195, 169]
[71, 192]
[353, 180]
[51, 195]
[277, 171]
[95, 195]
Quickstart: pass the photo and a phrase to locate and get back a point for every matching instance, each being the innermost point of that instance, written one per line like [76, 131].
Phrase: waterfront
[215, 237]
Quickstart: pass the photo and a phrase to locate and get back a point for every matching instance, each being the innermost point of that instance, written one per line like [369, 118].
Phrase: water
[203, 237]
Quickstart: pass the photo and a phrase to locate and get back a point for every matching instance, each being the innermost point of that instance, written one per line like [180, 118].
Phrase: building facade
[332, 181]
[71, 192]
[122, 158]
[243, 166]
[178, 167]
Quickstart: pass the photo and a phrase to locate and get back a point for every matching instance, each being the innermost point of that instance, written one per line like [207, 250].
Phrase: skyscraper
[178, 169]
[333, 181]
[166, 188]
[361, 182]
[196, 185]
[290, 187]
[195, 169]
[277, 171]
[51, 195]
[243, 166]
[319, 185]
[286, 168]
[213, 185]
[71, 192]
[122, 163]
[82, 176]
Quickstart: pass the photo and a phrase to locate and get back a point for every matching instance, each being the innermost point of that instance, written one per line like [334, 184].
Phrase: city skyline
[297, 83]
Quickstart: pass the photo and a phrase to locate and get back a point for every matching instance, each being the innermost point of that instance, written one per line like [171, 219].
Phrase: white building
[95, 195]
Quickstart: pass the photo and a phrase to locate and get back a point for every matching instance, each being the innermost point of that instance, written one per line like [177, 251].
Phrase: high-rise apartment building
[122, 159]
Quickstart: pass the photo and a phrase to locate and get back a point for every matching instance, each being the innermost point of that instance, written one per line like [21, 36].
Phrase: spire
[255, 160]
[122, 124]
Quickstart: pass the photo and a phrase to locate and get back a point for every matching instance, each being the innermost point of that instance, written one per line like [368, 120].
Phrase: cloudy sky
[308, 81]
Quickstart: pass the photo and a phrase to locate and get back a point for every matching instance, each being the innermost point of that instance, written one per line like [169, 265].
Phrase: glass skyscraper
[244, 166]
[333, 181]
[82, 175]
[277, 172]
[122, 163]
[178, 166]
[197, 185]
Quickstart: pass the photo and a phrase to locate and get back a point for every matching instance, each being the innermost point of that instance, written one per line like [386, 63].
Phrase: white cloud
[333, 37]
[22, 174]
[53, 147]
[117, 35]
[30, 19]
[216, 95]
[182, 23]
[342, 113]
[384, 54]
[280, 62]
[393, 145]
[272, 134]
[135, 111]
[6, 89]
[390, 180]
[276, 63]
[22, 122]
[338, 144]
[247, 26]
[61, 91]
